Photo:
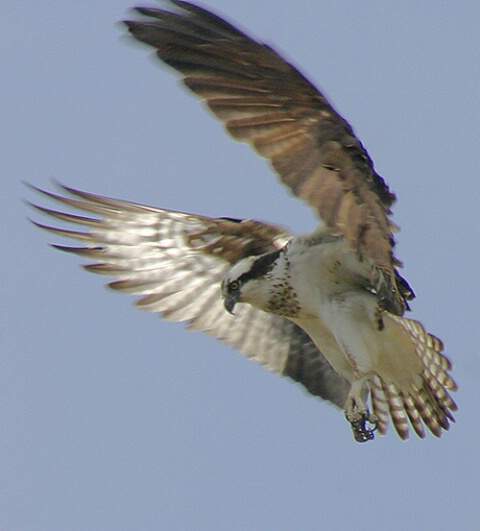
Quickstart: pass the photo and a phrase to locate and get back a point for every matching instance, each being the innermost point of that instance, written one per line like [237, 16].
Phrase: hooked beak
[229, 302]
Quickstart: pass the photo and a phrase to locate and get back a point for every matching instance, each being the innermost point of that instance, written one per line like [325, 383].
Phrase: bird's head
[247, 281]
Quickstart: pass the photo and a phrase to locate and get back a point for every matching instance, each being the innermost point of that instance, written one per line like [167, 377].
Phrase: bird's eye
[234, 285]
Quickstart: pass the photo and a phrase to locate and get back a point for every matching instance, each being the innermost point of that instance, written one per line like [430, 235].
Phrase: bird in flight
[327, 308]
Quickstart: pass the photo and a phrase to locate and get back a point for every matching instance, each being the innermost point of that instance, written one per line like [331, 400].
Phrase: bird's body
[327, 308]
[317, 282]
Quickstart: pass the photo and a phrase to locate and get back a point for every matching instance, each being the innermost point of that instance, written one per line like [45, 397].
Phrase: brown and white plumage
[175, 262]
[266, 102]
[324, 309]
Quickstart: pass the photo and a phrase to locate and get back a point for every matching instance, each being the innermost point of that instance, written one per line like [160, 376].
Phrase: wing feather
[265, 101]
[175, 263]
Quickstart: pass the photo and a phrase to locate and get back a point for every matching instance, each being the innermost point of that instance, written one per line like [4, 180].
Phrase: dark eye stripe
[260, 267]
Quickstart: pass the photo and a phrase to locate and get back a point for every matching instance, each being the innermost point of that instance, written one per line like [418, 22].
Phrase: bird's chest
[309, 277]
[318, 274]
[332, 301]
[283, 298]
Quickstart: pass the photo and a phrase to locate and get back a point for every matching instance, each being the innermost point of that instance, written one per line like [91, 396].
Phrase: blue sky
[111, 419]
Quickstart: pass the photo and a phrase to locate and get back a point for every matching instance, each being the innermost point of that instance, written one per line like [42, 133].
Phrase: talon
[360, 432]
[373, 419]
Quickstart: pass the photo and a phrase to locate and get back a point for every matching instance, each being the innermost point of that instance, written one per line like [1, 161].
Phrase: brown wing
[175, 262]
[266, 102]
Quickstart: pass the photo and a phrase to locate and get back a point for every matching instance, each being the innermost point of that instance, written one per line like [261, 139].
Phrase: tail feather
[414, 416]
[430, 411]
[445, 401]
[412, 384]
[380, 405]
[397, 410]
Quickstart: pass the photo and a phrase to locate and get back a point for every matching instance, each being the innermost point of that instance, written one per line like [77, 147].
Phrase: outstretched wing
[176, 262]
[266, 102]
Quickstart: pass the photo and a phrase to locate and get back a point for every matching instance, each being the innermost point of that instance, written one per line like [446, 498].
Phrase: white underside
[384, 357]
[338, 313]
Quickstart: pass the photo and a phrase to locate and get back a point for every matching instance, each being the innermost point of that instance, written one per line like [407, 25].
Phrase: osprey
[326, 309]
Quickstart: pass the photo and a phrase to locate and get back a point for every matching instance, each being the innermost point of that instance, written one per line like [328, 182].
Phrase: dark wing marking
[307, 365]
[175, 262]
[266, 102]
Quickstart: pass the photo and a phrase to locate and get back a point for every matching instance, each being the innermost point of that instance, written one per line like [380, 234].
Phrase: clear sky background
[113, 420]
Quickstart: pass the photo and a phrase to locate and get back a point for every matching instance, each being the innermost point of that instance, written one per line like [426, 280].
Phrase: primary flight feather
[325, 309]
